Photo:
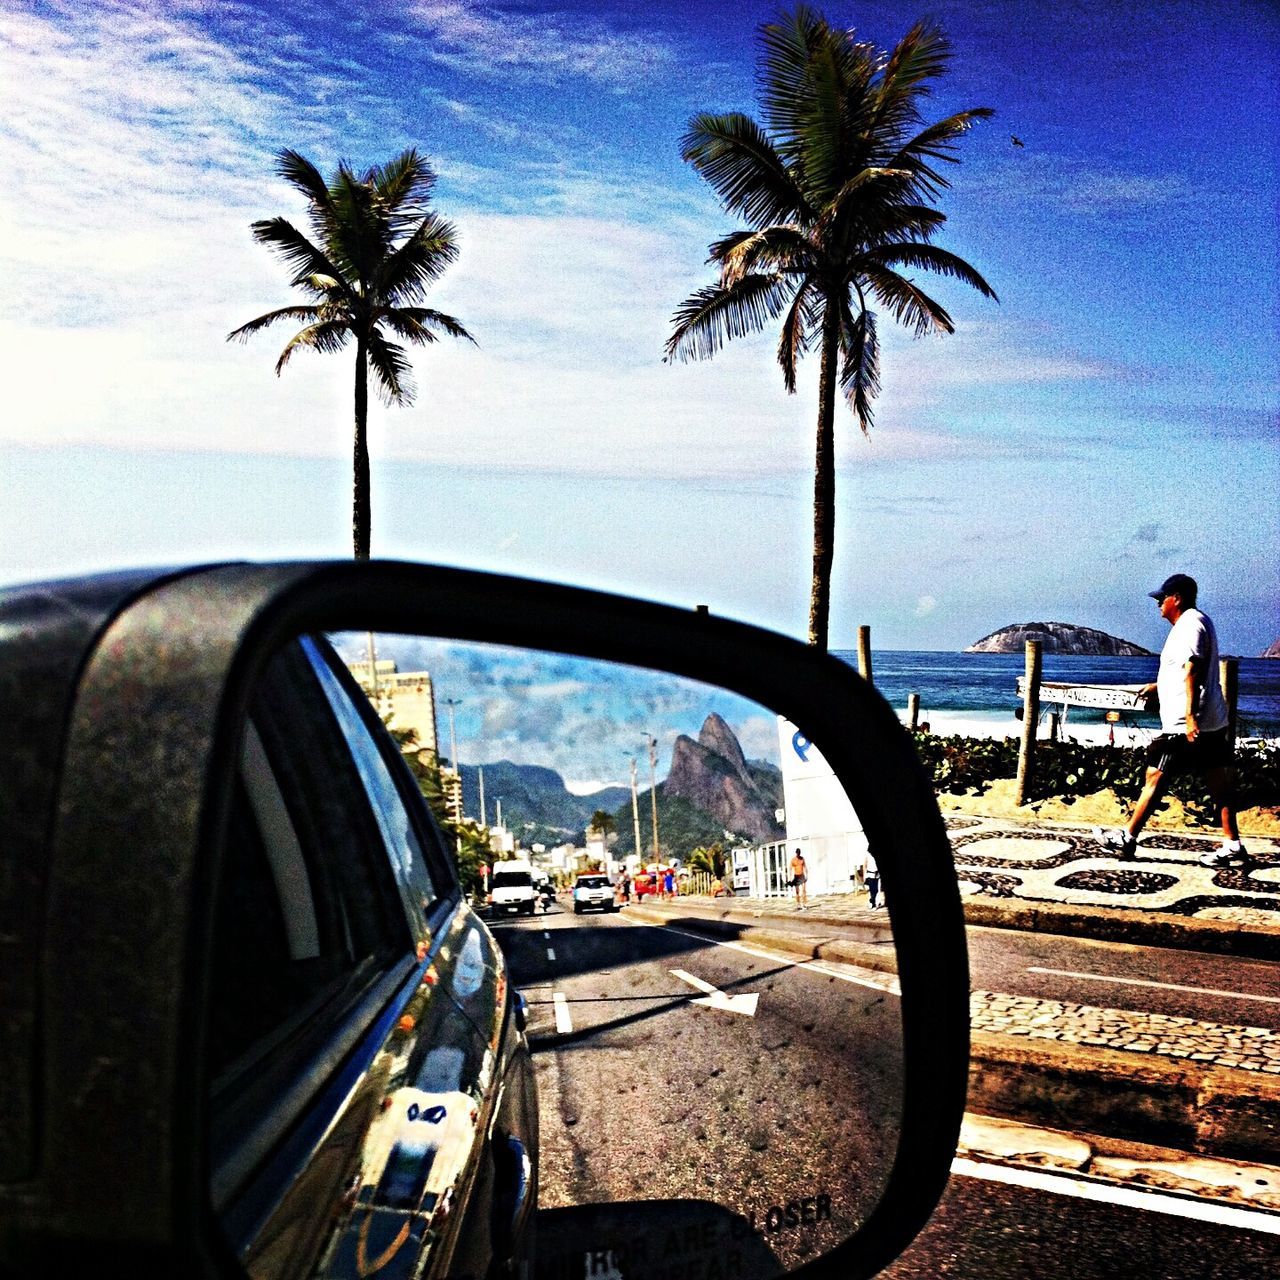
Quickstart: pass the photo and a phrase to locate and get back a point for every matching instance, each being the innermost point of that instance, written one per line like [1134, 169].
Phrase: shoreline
[996, 725]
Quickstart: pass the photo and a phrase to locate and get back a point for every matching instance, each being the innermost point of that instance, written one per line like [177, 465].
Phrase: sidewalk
[1055, 878]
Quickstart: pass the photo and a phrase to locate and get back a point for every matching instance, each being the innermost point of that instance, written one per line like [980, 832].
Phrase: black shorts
[1172, 753]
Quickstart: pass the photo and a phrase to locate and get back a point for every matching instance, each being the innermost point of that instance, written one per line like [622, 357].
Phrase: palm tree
[374, 250]
[837, 188]
[603, 822]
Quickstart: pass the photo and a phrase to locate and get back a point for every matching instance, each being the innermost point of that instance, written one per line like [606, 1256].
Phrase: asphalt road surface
[682, 1123]
[984, 1230]
[715, 1078]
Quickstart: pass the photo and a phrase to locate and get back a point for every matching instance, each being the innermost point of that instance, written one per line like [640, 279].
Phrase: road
[676, 1120]
[673, 1068]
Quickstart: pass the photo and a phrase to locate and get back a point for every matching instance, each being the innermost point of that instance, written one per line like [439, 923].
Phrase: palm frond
[929, 257]
[418, 324]
[736, 157]
[418, 262]
[301, 174]
[360, 236]
[920, 56]
[392, 371]
[910, 305]
[408, 179]
[246, 331]
[798, 330]
[859, 363]
[709, 318]
[869, 186]
[937, 142]
[813, 88]
[776, 250]
[294, 249]
[897, 222]
[328, 336]
[720, 249]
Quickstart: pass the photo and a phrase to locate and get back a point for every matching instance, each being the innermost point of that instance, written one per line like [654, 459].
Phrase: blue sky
[1112, 419]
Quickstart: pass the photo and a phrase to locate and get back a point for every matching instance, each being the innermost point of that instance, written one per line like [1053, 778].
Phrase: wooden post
[1030, 718]
[1054, 721]
[913, 711]
[864, 653]
[1229, 672]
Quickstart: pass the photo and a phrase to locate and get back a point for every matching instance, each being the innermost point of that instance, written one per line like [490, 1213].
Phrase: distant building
[451, 785]
[407, 698]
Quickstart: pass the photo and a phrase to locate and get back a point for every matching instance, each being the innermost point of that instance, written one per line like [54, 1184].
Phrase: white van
[511, 888]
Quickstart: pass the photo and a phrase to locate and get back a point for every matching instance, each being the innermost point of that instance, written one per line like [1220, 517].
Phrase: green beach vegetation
[837, 187]
[374, 251]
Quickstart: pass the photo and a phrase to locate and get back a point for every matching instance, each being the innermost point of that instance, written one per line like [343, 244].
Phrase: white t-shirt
[1192, 636]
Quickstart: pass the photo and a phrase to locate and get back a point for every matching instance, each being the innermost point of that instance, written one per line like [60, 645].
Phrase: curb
[1163, 1101]
[1168, 1102]
[1124, 924]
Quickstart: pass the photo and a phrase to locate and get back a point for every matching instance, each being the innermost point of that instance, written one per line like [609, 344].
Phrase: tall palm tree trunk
[360, 461]
[824, 482]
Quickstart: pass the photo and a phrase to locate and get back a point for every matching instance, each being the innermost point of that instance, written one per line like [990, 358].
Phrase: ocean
[983, 686]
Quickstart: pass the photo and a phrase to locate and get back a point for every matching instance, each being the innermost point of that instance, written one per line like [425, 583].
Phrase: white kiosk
[820, 822]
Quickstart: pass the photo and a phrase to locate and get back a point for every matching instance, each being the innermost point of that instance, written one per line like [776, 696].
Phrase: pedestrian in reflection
[669, 883]
[800, 880]
[871, 877]
[626, 888]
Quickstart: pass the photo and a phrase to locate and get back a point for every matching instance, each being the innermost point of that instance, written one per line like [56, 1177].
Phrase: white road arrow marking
[716, 999]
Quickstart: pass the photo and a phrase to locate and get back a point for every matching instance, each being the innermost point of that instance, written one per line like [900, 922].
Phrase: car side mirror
[146, 847]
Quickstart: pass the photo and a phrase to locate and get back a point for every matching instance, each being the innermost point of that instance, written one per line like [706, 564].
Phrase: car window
[406, 836]
[306, 904]
[511, 878]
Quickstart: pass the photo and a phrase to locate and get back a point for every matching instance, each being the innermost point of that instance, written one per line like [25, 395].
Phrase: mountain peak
[713, 775]
[716, 735]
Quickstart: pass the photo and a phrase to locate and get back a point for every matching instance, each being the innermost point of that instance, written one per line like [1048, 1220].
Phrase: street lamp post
[635, 810]
[653, 793]
[453, 741]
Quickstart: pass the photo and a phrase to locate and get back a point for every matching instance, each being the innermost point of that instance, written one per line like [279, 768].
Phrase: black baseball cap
[1176, 584]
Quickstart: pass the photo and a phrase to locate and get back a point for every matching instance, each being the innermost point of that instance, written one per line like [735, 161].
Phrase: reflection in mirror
[708, 1097]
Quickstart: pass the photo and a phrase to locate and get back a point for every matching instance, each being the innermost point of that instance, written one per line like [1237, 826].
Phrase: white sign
[821, 821]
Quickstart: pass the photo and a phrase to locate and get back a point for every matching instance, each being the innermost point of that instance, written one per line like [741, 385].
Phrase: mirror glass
[711, 1094]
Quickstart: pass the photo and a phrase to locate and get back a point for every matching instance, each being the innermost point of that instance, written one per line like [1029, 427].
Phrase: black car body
[248, 1024]
[353, 1068]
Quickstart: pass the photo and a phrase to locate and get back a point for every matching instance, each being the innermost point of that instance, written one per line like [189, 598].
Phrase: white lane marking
[564, 1023]
[846, 972]
[1164, 986]
[546, 934]
[1215, 1211]
[551, 953]
[716, 999]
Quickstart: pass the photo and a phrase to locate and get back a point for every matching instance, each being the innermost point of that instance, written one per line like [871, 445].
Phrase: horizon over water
[983, 686]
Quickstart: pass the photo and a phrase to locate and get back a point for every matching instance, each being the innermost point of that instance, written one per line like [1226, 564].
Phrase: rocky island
[1273, 651]
[1058, 637]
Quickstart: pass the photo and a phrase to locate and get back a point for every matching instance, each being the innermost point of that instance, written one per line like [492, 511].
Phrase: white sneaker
[1121, 843]
[1225, 857]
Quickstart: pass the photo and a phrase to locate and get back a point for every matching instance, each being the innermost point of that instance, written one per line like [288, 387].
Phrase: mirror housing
[110, 1030]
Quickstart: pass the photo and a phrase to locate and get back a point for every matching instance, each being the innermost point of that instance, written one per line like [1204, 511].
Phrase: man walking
[799, 880]
[1193, 722]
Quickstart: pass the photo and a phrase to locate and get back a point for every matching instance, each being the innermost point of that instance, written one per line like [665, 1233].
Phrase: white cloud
[123, 284]
[925, 605]
[489, 41]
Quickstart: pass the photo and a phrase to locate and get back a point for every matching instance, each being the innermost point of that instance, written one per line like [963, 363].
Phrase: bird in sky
[1017, 142]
